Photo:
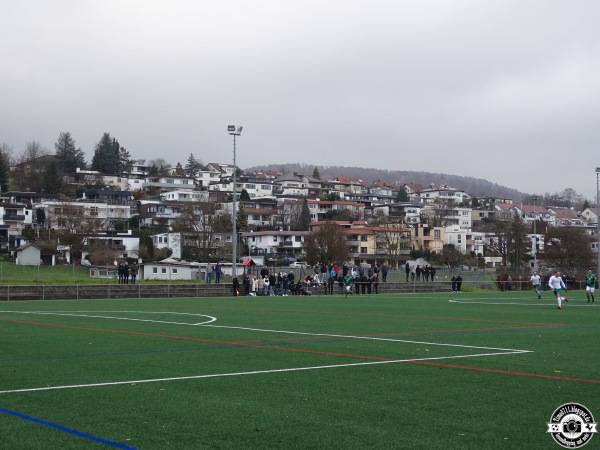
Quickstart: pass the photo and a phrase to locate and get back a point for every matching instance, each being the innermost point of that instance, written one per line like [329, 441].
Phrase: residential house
[427, 238]
[169, 183]
[14, 218]
[275, 244]
[444, 194]
[123, 243]
[321, 210]
[413, 190]
[465, 240]
[172, 241]
[185, 195]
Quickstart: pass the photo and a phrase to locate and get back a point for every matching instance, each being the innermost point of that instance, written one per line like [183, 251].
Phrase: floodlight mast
[534, 198]
[232, 131]
[598, 223]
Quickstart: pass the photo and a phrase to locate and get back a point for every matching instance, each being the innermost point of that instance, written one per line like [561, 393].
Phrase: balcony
[13, 217]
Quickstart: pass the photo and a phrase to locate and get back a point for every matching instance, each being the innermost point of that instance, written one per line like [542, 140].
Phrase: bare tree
[195, 224]
[32, 151]
[75, 224]
[326, 244]
[438, 213]
[568, 249]
[392, 235]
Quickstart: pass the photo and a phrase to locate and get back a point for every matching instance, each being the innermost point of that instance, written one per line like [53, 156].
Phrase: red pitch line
[211, 341]
[504, 372]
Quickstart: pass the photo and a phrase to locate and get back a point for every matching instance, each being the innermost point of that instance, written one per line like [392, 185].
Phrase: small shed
[28, 255]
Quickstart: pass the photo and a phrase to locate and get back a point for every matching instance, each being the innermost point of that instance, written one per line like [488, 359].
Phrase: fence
[117, 291]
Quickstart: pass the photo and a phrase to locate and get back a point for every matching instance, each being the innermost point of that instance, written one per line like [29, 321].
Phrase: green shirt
[590, 280]
[348, 280]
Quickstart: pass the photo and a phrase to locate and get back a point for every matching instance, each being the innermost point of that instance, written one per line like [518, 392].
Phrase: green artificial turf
[296, 372]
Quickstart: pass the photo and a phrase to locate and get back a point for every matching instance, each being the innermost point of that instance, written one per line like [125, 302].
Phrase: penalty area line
[255, 372]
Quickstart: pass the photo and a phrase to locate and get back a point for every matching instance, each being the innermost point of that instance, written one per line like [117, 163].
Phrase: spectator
[458, 282]
[134, 271]
[236, 287]
[218, 273]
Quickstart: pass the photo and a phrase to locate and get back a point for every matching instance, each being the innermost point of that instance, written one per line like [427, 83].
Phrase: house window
[170, 181]
[363, 238]
[174, 270]
[437, 234]
[163, 270]
[155, 270]
[363, 249]
[298, 238]
[274, 238]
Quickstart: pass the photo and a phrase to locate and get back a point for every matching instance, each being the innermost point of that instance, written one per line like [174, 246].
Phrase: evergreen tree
[179, 170]
[52, 182]
[402, 195]
[316, 174]
[192, 166]
[304, 221]
[124, 161]
[107, 155]
[242, 218]
[68, 156]
[40, 217]
[4, 172]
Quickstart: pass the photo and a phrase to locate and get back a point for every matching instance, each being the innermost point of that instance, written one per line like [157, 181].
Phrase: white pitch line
[369, 338]
[206, 324]
[211, 318]
[255, 372]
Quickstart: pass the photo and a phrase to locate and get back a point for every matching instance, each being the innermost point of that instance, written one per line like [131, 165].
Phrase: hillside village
[188, 217]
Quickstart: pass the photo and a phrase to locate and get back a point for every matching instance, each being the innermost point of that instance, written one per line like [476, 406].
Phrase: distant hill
[476, 187]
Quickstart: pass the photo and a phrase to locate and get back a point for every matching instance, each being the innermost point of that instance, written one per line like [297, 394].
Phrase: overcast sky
[504, 90]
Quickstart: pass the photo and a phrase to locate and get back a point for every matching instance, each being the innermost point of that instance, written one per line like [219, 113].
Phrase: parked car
[299, 265]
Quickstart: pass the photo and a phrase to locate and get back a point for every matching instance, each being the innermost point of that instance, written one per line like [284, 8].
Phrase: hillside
[476, 187]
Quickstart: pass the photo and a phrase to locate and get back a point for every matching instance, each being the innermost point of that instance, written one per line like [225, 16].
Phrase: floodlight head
[239, 131]
[231, 128]
[597, 169]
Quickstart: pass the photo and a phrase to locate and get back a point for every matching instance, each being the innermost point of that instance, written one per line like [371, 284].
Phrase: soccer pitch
[467, 370]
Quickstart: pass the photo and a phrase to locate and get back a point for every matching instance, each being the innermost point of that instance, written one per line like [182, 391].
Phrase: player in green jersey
[348, 280]
[590, 285]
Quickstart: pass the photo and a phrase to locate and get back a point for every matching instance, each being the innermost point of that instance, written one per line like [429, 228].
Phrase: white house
[171, 241]
[186, 195]
[170, 269]
[124, 243]
[443, 193]
[56, 212]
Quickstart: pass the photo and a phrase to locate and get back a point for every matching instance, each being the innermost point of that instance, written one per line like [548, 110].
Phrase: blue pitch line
[66, 430]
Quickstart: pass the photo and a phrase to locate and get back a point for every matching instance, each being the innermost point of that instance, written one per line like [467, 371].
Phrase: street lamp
[231, 129]
[598, 223]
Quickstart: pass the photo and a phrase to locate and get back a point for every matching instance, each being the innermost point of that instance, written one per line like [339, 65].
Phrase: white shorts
[348, 288]
[590, 289]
